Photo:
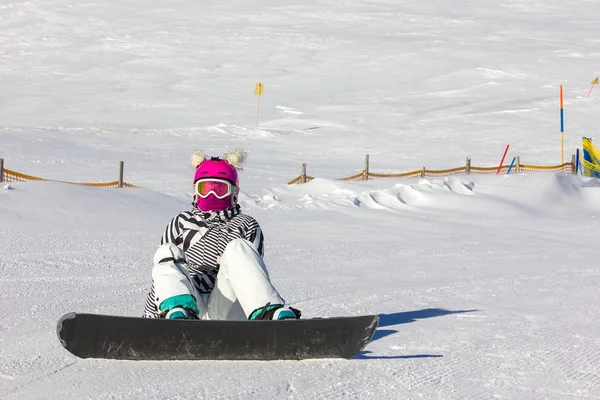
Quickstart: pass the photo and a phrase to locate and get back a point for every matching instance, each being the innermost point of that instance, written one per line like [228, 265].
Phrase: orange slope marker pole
[594, 83]
[502, 161]
[562, 128]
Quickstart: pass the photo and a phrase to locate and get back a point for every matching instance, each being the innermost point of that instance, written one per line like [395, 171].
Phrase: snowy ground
[486, 286]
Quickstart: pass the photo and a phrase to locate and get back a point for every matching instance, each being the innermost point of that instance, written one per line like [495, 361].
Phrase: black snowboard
[131, 338]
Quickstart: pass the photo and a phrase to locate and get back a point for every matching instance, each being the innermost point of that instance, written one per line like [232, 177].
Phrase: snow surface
[487, 286]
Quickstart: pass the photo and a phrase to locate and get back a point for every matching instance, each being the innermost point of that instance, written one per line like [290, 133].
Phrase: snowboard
[133, 338]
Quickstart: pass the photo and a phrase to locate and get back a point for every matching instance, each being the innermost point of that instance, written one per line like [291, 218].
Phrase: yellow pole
[257, 106]
[258, 91]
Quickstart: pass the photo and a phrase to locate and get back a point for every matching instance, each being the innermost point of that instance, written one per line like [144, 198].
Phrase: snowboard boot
[182, 306]
[274, 312]
[181, 313]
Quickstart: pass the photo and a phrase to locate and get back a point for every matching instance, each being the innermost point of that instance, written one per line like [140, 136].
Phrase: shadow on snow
[405, 318]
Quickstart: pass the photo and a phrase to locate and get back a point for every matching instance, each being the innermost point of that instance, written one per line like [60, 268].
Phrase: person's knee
[168, 252]
[238, 245]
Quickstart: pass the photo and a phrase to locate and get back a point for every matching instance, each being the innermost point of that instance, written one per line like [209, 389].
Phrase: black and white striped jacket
[203, 237]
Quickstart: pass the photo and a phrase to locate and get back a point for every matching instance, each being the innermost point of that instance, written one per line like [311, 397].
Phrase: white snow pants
[242, 284]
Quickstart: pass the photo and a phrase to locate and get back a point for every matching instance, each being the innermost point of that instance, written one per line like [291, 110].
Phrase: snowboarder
[210, 262]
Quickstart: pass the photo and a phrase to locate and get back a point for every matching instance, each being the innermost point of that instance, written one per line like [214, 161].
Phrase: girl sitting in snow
[209, 264]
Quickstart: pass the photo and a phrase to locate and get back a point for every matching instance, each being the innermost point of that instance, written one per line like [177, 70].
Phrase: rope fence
[425, 173]
[7, 175]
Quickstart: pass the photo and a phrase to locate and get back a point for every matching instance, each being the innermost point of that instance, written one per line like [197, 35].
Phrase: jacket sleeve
[255, 236]
[172, 233]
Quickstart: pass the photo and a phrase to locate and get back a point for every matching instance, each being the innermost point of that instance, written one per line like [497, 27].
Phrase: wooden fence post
[121, 168]
[518, 164]
[366, 172]
[1, 170]
[303, 174]
[468, 166]
[423, 173]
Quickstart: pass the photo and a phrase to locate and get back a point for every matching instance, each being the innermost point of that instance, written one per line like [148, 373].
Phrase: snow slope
[486, 286]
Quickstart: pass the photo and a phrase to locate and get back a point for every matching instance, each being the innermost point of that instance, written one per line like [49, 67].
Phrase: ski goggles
[218, 187]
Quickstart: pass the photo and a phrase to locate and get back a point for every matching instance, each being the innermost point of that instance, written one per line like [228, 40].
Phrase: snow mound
[534, 195]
